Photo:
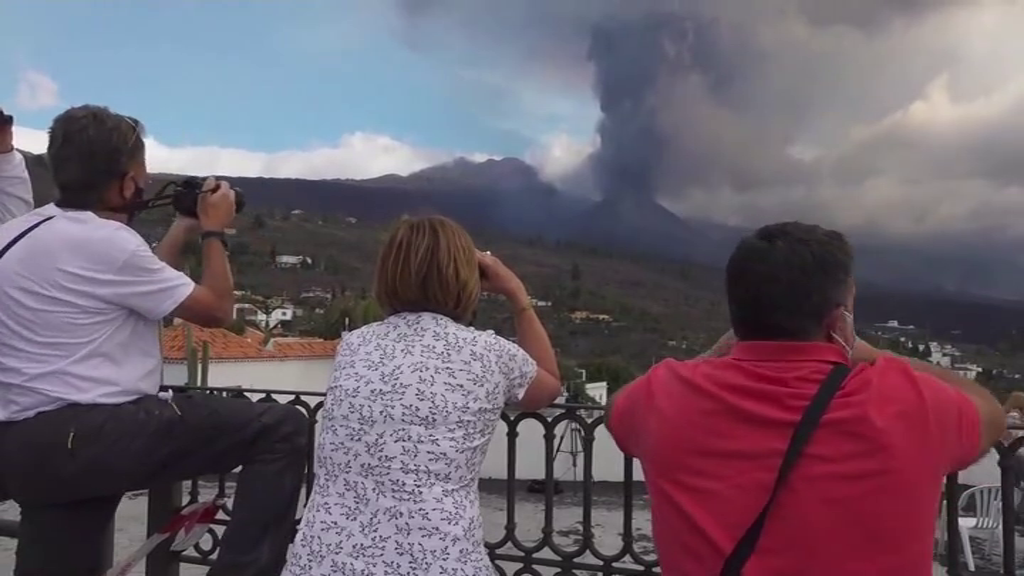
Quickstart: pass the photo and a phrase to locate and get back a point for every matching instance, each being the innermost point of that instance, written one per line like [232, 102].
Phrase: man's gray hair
[90, 149]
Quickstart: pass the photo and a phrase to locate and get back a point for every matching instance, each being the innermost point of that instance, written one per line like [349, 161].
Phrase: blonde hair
[428, 264]
[1014, 402]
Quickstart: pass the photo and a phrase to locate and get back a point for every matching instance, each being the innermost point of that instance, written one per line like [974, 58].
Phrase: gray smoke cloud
[901, 117]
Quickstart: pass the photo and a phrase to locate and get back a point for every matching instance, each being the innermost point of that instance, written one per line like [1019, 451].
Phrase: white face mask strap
[847, 347]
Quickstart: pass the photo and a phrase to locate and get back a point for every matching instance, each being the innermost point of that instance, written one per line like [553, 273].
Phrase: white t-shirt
[82, 298]
[15, 187]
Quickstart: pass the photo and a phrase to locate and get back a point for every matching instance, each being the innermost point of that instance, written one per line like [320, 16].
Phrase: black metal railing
[612, 534]
[1002, 517]
[565, 547]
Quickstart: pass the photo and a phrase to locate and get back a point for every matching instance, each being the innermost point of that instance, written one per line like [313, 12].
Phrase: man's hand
[497, 278]
[216, 206]
[188, 225]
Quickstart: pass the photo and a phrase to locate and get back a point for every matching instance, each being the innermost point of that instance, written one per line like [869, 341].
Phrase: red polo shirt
[710, 434]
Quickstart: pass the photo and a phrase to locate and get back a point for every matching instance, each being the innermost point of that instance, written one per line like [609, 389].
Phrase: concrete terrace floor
[567, 516]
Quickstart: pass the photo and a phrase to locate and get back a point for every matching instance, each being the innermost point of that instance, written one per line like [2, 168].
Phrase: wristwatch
[217, 234]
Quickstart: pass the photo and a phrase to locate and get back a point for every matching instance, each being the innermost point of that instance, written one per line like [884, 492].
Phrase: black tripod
[573, 432]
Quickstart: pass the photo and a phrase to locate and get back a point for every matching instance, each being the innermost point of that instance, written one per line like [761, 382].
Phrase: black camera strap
[798, 441]
[22, 234]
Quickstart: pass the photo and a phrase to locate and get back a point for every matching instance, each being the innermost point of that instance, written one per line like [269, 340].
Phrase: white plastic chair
[987, 518]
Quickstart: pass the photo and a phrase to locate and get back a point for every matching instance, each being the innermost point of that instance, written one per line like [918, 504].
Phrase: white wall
[300, 375]
[608, 459]
[530, 458]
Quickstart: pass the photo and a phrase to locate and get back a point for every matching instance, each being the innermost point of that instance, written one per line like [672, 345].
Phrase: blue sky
[273, 76]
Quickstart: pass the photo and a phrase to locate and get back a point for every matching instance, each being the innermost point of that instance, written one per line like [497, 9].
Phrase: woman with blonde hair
[410, 412]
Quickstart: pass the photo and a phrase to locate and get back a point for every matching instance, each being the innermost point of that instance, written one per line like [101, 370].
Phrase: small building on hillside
[967, 370]
[281, 316]
[299, 364]
[586, 316]
[290, 261]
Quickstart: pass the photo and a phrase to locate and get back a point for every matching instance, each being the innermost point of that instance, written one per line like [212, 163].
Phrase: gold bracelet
[524, 308]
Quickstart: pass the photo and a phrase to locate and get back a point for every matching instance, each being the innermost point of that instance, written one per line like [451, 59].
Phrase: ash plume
[633, 58]
[872, 115]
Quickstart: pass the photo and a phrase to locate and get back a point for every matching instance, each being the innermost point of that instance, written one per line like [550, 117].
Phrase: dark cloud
[900, 116]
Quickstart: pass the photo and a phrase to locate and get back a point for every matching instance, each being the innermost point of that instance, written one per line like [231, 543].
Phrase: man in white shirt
[81, 422]
[15, 186]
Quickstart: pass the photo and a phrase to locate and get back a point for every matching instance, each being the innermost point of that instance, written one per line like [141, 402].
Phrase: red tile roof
[304, 347]
[228, 346]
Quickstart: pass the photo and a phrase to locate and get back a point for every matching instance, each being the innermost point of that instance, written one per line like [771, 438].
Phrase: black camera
[183, 196]
[6, 120]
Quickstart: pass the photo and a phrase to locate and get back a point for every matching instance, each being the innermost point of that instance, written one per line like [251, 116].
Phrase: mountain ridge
[508, 195]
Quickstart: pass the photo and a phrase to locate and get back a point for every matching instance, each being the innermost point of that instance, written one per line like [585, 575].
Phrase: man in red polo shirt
[711, 432]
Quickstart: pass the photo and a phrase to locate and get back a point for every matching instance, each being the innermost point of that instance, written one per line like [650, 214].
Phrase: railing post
[163, 504]
[953, 525]
[1007, 508]
[108, 545]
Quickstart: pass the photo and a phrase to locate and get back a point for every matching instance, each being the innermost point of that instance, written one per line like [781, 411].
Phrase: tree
[238, 326]
[575, 295]
[259, 222]
[575, 275]
[367, 312]
[986, 377]
[611, 370]
[331, 265]
[240, 248]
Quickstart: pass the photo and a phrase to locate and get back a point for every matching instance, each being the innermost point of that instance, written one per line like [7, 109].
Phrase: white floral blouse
[409, 415]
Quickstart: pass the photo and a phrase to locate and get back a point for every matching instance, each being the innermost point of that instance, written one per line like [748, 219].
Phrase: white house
[968, 370]
[596, 390]
[289, 261]
[894, 324]
[267, 321]
[299, 364]
[315, 292]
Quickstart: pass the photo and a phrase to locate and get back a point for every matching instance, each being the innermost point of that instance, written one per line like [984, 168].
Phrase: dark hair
[90, 149]
[784, 280]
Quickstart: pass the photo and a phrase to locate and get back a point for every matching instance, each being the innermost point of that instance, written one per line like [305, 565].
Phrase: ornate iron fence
[588, 546]
[998, 518]
[560, 548]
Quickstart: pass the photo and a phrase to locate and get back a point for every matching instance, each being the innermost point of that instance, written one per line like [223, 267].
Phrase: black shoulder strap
[801, 436]
[22, 234]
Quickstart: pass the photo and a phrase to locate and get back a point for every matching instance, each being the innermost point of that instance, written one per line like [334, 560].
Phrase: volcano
[643, 226]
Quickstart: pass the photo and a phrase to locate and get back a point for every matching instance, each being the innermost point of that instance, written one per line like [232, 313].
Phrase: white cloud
[557, 156]
[36, 91]
[355, 155]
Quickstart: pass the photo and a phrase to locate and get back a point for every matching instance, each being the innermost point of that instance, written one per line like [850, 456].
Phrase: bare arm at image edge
[15, 186]
[546, 386]
[991, 418]
[211, 304]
